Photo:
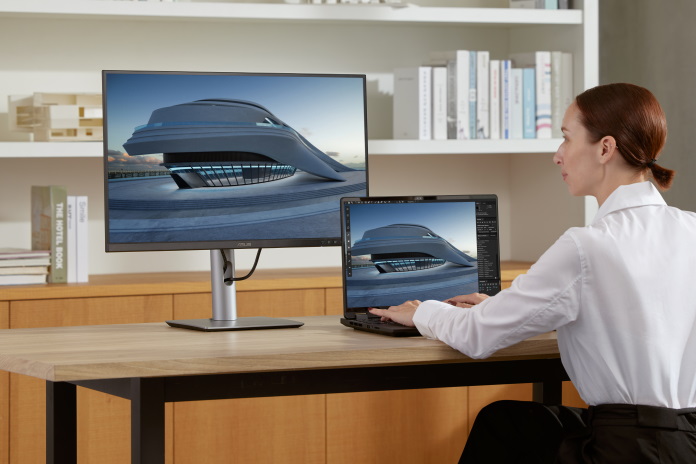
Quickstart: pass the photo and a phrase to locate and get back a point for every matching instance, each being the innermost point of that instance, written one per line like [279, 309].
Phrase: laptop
[396, 249]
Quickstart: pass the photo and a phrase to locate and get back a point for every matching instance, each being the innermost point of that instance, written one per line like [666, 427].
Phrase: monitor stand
[225, 303]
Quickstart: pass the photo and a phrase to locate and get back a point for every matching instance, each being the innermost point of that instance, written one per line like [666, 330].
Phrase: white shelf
[375, 147]
[108, 9]
[464, 147]
[51, 149]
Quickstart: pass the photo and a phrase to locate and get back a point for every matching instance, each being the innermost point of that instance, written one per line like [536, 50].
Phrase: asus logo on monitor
[243, 244]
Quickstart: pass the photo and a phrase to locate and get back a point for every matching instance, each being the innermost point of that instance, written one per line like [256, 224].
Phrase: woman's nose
[557, 158]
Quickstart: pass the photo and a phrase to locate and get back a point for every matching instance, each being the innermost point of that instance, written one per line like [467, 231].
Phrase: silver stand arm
[225, 302]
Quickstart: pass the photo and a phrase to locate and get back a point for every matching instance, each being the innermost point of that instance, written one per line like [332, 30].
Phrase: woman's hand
[402, 314]
[467, 301]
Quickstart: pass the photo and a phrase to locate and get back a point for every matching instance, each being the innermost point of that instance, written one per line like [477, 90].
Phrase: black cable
[225, 262]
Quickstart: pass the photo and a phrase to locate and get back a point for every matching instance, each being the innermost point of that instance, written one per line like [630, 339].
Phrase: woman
[619, 293]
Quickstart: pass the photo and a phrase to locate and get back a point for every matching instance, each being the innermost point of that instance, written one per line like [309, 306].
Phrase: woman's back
[634, 339]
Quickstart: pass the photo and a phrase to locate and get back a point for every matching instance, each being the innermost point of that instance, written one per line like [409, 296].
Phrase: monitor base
[243, 323]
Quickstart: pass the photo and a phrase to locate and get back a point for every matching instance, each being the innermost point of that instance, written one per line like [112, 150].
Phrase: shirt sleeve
[543, 299]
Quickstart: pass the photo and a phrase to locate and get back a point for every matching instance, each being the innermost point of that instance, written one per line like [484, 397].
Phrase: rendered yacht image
[407, 262]
[225, 142]
[408, 247]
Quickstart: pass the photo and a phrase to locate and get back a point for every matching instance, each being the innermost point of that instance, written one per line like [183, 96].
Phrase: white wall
[651, 43]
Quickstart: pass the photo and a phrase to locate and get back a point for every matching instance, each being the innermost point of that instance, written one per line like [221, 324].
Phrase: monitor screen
[418, 248]
[230, 160]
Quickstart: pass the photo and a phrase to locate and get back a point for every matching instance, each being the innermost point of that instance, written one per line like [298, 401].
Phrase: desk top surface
[157, 350]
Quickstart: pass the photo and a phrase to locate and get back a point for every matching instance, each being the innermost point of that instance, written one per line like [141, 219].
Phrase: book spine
[522, 3]
[528, 103]
[551, 4]
[482, 97]
[59, 239]
[463, 94]
[567, 93]
[506, 92]
[494, 99]
[49, 227]
[557, 109]
[452, 99]
[439, 99]
[71, 222]
[82, 241]
[472, 94]
[405, 103]
[516, 103]
[543, 95]
[425, 102]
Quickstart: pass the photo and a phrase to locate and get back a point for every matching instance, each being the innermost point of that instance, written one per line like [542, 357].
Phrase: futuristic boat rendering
[408, 247]
[225, 143]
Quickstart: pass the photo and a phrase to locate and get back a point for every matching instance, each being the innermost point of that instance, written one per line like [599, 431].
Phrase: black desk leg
[147, 421]
[61, 423]
[549, 392]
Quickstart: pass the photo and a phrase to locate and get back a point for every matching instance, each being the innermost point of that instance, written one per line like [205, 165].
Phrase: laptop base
[383, 328]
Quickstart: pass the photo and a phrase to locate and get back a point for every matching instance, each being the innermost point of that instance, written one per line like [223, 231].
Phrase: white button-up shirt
[622, 294]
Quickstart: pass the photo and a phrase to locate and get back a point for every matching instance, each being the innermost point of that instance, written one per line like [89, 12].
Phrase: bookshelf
[73, 40]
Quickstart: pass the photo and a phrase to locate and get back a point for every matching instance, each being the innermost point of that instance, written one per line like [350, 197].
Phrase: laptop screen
[418, 248]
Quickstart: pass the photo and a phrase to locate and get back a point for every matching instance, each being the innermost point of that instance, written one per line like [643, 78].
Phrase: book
[505, 99]
[527, 3]
[561, 89]
[72, 238]
[494, 98]
[82, 240]
[540, 61]
[412, 103]
[482, 96]
[26, 262]
[463, 79]
[49, 228]
[528, 103]
[457, 63]
[7, 254]
[543, 95]
[22, 279]
[472, 94]
[567, 82]
[439, 101]
[516, 104]
[24, 270]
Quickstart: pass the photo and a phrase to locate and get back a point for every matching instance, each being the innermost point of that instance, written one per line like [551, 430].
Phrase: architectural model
[53, 117]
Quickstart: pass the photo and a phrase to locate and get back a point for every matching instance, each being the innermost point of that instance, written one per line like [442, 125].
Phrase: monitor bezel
[221, 244]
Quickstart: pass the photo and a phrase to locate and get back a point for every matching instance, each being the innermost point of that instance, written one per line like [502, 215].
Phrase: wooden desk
[151, 364]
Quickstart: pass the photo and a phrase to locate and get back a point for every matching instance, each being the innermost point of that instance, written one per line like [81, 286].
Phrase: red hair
[633, 116]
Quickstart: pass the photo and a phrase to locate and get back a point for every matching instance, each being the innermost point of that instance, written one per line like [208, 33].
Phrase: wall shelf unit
[71, 41]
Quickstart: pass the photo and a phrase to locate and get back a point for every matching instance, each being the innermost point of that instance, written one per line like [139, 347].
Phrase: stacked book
[59, 224]
[464, 94]
[541, 4]
[19, 266]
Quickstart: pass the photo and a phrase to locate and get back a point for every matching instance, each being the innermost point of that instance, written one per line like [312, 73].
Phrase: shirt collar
[630, 196]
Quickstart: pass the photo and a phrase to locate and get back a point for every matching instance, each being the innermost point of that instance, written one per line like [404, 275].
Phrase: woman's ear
[608, 149]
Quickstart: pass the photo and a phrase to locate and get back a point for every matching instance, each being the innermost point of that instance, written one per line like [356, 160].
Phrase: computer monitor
[224, 161]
